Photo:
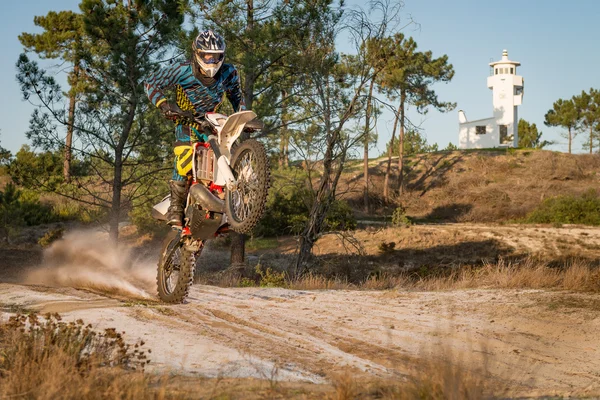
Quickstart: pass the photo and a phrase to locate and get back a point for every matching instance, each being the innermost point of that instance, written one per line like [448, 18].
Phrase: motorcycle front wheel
[245, 206]
[175, 270]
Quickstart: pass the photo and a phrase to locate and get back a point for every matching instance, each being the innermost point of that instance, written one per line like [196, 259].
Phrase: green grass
[261, 244]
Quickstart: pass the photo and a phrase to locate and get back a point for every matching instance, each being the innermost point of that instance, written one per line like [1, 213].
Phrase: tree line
[320, 105]
[578, 115]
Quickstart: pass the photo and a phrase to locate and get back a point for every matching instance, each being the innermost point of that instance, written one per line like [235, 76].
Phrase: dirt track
[539, 343]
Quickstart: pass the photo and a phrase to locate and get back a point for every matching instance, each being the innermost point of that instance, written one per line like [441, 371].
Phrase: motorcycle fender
[233, 127]
[159, 211]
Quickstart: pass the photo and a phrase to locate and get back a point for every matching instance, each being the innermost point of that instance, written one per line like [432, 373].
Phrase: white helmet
[209, 52]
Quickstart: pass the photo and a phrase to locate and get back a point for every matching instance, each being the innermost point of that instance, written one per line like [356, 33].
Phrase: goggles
[209, 58]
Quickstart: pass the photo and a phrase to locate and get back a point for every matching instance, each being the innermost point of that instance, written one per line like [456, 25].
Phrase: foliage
[451, 147]
[399, 217]
[27, 168]
[529, 137]
[588, 109]
[386, 247]
[564, 114]
[141, 210]
[119, 43]
[288, 205]
[270, 278]
[22, 208]
[340, 217]
[51, 236]
[47, 358]
[584, 209]
[5, 156]
[414, 143]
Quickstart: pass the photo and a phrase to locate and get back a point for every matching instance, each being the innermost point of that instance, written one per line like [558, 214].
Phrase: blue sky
[555, 41]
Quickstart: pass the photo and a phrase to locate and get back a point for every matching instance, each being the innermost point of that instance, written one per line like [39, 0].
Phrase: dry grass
[528, 274]
[481, 186]
[49, 359]
[45, 358]
[578, 276]
[443, 375]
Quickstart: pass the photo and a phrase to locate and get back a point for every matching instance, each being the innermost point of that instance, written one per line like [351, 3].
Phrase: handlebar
[173, 112]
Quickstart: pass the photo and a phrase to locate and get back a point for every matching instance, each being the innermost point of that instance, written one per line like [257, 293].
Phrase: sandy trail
[540, 343]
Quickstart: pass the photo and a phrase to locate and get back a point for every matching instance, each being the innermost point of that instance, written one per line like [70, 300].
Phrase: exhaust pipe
[205, 199]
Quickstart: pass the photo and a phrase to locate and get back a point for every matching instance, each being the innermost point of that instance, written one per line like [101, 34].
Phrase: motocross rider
[200, 84]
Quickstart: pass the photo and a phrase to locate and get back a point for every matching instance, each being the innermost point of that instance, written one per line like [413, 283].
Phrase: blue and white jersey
[192, 94]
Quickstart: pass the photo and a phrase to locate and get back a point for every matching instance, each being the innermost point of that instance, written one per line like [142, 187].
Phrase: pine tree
[115, 130]
[588, 109]
[409, 76]
[564, 113]
[62, 39]
[266, 40]
[529, 137]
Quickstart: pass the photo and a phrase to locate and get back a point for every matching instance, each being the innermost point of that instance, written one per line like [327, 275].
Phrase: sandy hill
[476, 186]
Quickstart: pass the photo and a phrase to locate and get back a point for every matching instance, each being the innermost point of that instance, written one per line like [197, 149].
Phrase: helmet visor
[209, 58]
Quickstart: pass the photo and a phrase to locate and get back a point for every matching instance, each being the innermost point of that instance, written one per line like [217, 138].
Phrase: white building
[501, 129]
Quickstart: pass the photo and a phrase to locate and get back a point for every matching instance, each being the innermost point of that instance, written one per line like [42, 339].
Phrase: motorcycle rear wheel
[175, 270]
[245, 206]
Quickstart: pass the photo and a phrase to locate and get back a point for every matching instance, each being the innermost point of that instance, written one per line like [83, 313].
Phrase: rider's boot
[175, 212]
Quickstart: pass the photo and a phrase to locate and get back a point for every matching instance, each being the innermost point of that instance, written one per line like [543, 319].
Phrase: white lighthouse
[501, 129]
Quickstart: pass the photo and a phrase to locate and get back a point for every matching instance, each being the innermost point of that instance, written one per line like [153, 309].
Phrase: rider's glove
[172, 111]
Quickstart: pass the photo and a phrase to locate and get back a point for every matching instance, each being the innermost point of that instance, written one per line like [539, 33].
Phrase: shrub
[399, 217]
[141, 212]
[22, 208]
[584, 209]
[270, 278]
[385, 247]
[47, 359]
[51, 236]
[141, 217]
[340, 217]
[288, 206]
[33, 211]
[286, 213]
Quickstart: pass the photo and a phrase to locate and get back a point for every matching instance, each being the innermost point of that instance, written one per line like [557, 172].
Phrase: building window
[511, 71]
[496, 71]
[480, 129]
[504, 138]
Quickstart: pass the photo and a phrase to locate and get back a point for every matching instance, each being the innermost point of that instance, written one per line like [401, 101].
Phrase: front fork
[223, 156]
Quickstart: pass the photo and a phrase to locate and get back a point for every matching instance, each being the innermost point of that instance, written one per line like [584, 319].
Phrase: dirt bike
[227, 191]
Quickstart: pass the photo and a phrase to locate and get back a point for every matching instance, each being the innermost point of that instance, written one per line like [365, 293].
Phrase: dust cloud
[87, 260]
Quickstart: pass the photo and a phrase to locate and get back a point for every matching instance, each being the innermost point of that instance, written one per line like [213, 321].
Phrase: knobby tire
[185, 261]
[261, 174]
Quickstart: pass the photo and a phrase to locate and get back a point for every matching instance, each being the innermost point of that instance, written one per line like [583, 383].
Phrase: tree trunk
[570, 140]
[286, 151]
[115, 209]
[238, 241]
[71, 123]
[283, 132]
[401, 144]
[386, 181]
[366, 148]
[591, 141]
